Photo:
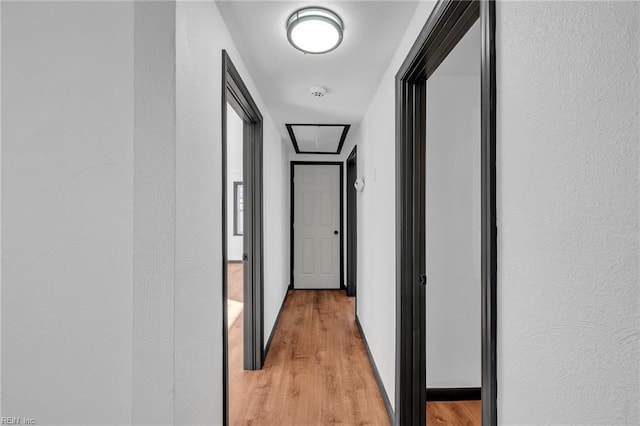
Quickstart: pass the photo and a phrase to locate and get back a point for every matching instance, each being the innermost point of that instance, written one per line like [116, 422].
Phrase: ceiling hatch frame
[294, 141]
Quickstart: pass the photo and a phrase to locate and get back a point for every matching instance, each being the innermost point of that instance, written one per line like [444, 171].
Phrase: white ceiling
[284, 75]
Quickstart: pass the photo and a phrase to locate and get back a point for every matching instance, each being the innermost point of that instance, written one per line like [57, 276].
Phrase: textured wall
[568, 139]
[111, 182]
[67, 218]
[154, 212]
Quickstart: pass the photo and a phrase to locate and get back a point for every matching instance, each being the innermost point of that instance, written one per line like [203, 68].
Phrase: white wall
[0, 210]
[568, 239]
[154, 212]
[453, 295]
[375, 137]
[234, 174]
[111, 266]
[201, 36]
[276, 187]
[67, 218]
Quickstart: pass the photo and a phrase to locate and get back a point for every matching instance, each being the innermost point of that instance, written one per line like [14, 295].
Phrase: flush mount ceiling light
[314, 30]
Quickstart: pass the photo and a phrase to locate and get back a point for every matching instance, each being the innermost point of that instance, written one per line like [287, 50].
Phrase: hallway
[113, 206]
[317, 371]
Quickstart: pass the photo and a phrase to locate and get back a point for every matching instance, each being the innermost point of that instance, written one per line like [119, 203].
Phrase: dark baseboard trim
[234, 261]
[275, 324]
[290, 287]
[376, 373]
[454, 394]
[318, 289]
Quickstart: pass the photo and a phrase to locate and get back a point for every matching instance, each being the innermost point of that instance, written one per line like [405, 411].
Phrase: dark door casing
[236, 94]
[447, 24]
[352, 224]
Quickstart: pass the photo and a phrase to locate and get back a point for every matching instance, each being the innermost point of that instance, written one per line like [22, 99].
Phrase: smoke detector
[318, 91]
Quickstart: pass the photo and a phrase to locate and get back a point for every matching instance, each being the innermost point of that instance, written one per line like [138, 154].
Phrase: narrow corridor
[317, 371]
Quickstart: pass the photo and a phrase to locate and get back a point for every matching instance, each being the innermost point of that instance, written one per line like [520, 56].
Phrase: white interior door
[316, 226]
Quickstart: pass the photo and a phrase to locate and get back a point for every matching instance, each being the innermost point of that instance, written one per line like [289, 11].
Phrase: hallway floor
[317, 371]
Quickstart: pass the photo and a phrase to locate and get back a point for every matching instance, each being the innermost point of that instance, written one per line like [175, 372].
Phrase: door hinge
[245, 257]
[423, 280]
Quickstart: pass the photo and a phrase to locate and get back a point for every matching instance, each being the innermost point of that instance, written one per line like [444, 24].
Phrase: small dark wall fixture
[291, 129]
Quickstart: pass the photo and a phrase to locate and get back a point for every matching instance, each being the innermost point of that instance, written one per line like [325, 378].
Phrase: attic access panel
[318, 138]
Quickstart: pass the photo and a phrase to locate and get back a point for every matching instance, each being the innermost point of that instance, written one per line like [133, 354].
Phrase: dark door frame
[352, 225]
[448, 23]
[235, 93]
[291, 233]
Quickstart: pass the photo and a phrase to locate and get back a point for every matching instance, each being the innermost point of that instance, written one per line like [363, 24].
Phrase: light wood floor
[454, 413]
[317, 371]
[234, 277]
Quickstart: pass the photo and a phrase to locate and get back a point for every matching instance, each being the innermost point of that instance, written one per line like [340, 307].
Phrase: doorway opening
[352, 223]
[242, 230]
[416, 93]
[235, 255]
[452, 234]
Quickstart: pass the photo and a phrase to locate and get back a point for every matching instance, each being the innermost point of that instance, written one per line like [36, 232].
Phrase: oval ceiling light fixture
[314, 30]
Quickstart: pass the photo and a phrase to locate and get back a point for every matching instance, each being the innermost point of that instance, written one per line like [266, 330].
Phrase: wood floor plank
[234, 279]
[474, 410]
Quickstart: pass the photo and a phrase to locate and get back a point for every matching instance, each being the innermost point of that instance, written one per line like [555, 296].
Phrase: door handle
[335, 232]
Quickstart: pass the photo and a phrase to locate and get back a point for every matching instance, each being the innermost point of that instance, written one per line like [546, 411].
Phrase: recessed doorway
[452, 235]
[316, 225]
[352, 223]
[448, 24]
[242, 231]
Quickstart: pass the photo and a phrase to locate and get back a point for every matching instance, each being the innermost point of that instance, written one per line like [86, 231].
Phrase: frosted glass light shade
[314, 30]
